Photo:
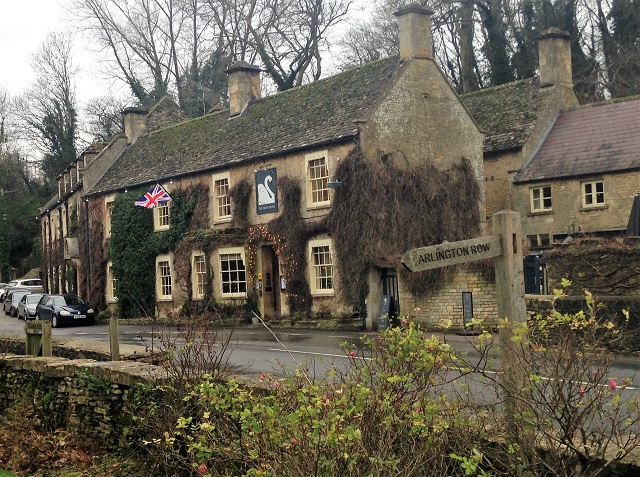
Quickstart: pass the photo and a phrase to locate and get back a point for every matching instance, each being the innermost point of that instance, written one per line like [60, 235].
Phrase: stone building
[63, 219]
[585, 175]
[296, 153]
[280, 191]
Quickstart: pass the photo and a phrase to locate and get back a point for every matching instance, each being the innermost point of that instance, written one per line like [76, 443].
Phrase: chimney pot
[244, 85]
[414, 27]
[554, 58]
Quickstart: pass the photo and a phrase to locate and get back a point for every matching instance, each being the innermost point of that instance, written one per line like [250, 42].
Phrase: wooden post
[510, 292]
[114, 338]
[38, 338]
[513, 310]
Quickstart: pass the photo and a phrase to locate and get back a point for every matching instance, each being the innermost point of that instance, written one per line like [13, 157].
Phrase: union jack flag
[155, 197]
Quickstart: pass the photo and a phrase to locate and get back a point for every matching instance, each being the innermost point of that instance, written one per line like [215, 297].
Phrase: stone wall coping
[37, 364]
[126, 373]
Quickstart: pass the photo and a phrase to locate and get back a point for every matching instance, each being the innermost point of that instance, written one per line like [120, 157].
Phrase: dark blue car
[60, 309]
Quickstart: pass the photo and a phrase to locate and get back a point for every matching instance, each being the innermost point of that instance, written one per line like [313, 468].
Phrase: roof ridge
[498, 87]
[606, 102]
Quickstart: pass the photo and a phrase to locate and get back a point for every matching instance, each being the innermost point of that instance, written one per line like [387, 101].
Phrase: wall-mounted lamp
[334, 184]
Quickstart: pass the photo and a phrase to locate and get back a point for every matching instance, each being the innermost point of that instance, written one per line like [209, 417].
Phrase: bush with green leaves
[571, 415]
[409, 404]
[387, 414]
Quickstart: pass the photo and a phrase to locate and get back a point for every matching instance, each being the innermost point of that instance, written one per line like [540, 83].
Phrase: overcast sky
[24, 25]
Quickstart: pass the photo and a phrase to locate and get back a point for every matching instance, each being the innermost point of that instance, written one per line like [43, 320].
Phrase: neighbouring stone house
[585, 175]
[516, 117]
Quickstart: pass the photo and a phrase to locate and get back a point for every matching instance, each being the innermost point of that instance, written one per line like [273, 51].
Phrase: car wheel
[54, 321]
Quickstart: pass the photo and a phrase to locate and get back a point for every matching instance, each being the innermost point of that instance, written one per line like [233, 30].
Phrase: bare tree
[47, 111]
[288, 36]
[104, 117]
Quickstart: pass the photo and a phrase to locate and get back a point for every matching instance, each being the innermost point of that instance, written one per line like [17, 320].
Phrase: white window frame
[198, 276]
[224, 278]
[111, 284]
[537, 204]
[164, 282]
[316, 270]
[217, 200]
[595, 203]
[311, 178]
[108, 213]
[162, 221]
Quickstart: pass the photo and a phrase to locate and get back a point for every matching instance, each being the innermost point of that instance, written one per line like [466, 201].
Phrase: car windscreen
[12, 284]
[33, 299]
[16, 297]
[74, 300]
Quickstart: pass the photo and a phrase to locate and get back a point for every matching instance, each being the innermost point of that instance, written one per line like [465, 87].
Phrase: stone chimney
[244, 85]
[554, 58]
[414, 25]
[135, 123]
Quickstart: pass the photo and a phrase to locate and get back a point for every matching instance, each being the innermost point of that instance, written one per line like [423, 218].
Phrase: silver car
[11, 301]
[27, 306]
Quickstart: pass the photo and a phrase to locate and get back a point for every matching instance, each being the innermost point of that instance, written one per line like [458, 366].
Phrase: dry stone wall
[84, 396]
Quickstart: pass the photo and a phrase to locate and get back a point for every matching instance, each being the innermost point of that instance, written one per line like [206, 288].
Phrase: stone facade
[569, 215]
[445, 302]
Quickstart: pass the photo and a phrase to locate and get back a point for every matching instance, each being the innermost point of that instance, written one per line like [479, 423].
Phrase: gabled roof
[315, 114]
[595, 139]
[507, 113]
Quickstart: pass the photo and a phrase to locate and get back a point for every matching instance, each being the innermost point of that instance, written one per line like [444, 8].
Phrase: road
[254, 349]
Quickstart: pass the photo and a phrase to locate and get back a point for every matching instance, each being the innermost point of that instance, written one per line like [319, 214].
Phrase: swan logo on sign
[266, 191]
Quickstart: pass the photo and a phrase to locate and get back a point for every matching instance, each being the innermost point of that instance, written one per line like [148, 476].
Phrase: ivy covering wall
[379, 213]
[134, 246]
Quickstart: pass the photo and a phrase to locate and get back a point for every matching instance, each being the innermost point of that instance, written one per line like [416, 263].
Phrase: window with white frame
[199, 275]
[107, 217]
[221, 198]
[233, 274]
[593, 194]
[111, 284]
[317, 172]
[164, 281]
[162, 217]
[540, 199]
[321, 267]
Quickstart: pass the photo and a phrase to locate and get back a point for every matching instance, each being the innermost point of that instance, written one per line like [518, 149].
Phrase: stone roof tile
[307, 116]
[595, 139]
[507, 113]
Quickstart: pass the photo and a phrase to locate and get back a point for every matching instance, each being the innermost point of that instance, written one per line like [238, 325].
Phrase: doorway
[271, 296]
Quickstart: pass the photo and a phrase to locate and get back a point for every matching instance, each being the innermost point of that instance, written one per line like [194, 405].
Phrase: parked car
[33, 284]
[27, 306]
[11, 302]
[65, 308]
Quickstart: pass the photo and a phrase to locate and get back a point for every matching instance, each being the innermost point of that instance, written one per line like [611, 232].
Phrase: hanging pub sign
[266, 191]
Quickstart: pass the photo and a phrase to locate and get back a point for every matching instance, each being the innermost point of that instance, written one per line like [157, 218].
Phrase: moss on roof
[313, 114]
[507, 113]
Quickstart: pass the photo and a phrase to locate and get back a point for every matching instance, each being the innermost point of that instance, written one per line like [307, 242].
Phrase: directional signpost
[505, 248]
